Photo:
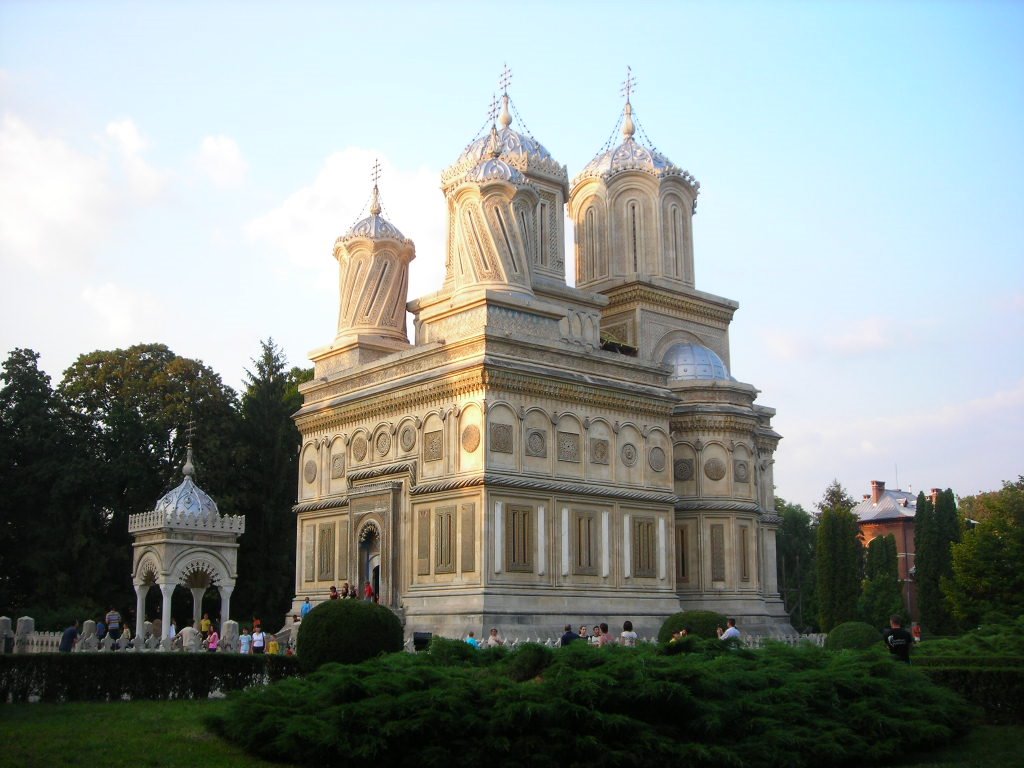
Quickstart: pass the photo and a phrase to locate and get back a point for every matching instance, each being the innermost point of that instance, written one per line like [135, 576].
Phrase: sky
[178, 173]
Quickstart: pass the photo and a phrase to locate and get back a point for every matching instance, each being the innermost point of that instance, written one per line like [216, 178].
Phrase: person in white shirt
[730, 632]
[628, 636]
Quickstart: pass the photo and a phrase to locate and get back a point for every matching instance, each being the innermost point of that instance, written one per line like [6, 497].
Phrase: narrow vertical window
[585, 543]
[644, 547]
[632, 222]
[744, 554]
[520, 539]
[590, 266]
[682, 555]
[542, 222]
[444, 540]
[718, 552]
[675, 266]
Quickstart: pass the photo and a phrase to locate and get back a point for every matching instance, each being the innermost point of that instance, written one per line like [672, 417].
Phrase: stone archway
[370, 561]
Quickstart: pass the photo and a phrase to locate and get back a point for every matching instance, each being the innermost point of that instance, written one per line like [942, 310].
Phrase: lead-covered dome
[694, 361]
[188, 499]
[374, 226]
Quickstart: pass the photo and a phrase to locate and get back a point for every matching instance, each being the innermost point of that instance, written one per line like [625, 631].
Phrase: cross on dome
[375, 201]
[628, 128]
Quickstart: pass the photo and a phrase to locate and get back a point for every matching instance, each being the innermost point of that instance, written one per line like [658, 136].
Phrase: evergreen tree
[987, 574]
[881, 593]
[267, 476]
[838, 558]
[935, 529]
[795, 560]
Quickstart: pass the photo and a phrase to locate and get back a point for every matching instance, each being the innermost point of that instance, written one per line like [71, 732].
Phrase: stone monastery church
[540, 453]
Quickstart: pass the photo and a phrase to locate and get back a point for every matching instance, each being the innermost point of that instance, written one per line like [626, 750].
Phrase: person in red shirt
[368, 594]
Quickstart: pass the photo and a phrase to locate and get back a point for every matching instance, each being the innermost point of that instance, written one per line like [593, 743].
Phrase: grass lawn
[171, 734]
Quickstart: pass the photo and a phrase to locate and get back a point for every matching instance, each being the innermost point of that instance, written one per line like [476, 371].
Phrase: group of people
[600, 635]
[369, 595]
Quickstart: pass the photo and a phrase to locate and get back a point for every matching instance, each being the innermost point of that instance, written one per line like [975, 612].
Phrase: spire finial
[188, 470]
[503, 81]
[375, 202]
[628, 129]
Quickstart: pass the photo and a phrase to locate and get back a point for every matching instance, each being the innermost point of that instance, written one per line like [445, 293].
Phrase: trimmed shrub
[700, 623]
[780, 706]
[113, 676]
[348, 632]
[999, 691]
[853, 635]
[1002, 639]
[447, 651]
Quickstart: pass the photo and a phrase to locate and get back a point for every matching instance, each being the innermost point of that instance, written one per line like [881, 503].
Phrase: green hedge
[999, 691]
[700, 623]
[966, 661]
[347, 632]
[853, 635]
[780, 707]
[112, 676]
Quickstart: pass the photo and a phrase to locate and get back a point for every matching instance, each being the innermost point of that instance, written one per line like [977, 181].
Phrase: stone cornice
[717, 313]
[694, 424]
[717, 505]
[407, 467]
[513, 381]
[496, 480]
[315, 506]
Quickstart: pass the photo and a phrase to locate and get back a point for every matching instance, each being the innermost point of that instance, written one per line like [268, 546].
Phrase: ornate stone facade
[542, 471]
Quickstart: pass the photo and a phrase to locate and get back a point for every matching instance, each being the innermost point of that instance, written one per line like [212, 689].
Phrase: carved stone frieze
[383, 443]
[359, 448]
[741, 471]
[628, 454]
[309, 471]
[682, 469]
[433, 445]
[714, 469]
[568, 446]
[407, 439]
[337, 466]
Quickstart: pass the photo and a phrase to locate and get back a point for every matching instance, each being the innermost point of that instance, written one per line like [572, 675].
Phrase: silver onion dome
[694, 361]
[188, 499]
[374, 226]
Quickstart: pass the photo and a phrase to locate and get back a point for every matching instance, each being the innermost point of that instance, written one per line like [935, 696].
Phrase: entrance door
[369, 548]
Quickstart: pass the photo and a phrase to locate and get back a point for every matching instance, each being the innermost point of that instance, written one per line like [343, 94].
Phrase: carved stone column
[140, 615]
[197, 604]
[225, 602]
[166, 590]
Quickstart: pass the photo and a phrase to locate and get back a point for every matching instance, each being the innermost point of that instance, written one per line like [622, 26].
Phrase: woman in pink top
[212, 639]
[606, 637]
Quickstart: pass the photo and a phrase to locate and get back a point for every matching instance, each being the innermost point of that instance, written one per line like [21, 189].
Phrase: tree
[838, 558]
[987, 574]
[267, 474]
[796, 563]
[935, 529]
[50, 518]
[881, 595]
[137, 402]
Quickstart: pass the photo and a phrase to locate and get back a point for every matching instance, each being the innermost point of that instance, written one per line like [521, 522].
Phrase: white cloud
[143, 181]
[221, 160]
[55, 202]
[305, 225]
[125, 315]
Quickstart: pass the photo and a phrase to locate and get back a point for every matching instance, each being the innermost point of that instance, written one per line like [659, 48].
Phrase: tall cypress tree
[838, 558]
[936, 529]
[881, 595]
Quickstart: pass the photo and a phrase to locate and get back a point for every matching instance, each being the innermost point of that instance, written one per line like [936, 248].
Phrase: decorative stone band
[153, 520]
[718, 314]
[390, 469]
[318, 506]
[717, 505]
[508, 481]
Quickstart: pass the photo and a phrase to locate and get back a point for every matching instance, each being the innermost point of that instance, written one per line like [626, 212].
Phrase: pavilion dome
[188, 499]
[692, 361]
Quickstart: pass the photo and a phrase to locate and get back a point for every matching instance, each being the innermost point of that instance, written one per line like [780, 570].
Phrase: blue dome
[694, 361]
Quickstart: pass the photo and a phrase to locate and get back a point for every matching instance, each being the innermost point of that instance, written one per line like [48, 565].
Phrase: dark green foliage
[853, 635]
[999, 691]
[448, 651]
[530, 660]
[837, 558]
[700, 624]
[781, 706]
[1004, 639]
[881, 594]
[936, 529]
[987, 572]
[347, 632]
[110, 676]
[796, 566]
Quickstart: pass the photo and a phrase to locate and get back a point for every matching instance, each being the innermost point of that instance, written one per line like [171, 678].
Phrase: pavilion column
[197, 604]
[166, 590]
[225, 601]
[140, 614]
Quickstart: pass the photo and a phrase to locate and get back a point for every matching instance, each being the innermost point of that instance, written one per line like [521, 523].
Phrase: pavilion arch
[148, 568]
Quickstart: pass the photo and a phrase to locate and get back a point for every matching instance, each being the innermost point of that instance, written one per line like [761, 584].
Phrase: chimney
[867, 496]
[935, 495]
[877, 489]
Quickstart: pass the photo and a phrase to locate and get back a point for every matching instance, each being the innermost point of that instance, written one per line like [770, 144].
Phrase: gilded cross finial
[492, 113]
[189, 469]
[375, 200]
[505, 79]
[629, 85]
[375, 173]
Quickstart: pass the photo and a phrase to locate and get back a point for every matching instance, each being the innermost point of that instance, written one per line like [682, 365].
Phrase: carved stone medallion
[471, 438]
[714, 469]
[433, 445]
[337, 466]
[598, 450]
[683, 469]
[741, 471]
[359, 448]
[628, 454]
[501, 438]
[383, 443]
[408, 438]
[656, 458]
[537, 443]
[309, 471]
[568, 446]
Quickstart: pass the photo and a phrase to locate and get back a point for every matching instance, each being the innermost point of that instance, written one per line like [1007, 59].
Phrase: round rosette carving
[359, 448]
[536, 442]
[383, 443]
[471, 438]
[600, 448]
[742, 472]
[656, 458]
[408, 439]
[309, 471]
[714, 469]
[628, 454]
[683, 469]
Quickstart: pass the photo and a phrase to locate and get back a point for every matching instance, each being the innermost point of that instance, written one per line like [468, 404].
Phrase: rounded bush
[853, 635]
[700, 623]
[528, 661]
[346, 631]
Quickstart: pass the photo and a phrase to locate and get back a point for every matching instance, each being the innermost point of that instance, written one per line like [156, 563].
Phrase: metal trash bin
[421, 640]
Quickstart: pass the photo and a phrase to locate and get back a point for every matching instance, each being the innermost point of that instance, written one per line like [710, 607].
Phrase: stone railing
[145, 521]
[748, 641]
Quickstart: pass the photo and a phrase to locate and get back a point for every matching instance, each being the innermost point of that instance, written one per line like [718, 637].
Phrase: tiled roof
[892, 505]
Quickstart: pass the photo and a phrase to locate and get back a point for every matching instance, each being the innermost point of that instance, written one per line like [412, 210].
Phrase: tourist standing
[333, 595]
[595, 636]
[606, 636]
[306, 608]
[259, 640]
[583, 633]
[628, 637]
[368, 594]
[568, 637]
[113, 619]
[244, 641]
[212, 639]
[471, 639]
[204, 626]
[730, 632]
[69, 638]
[898, 640]
[494, 639]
